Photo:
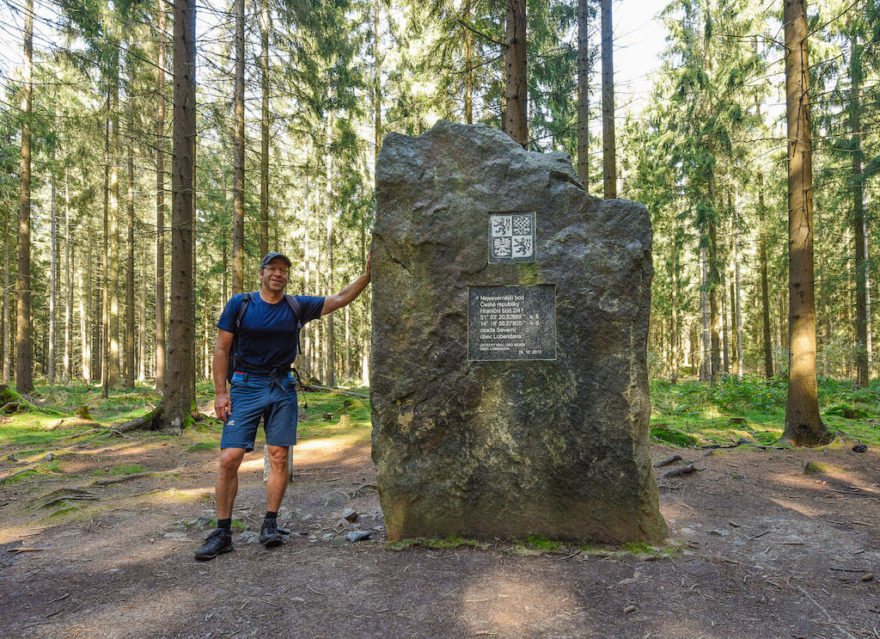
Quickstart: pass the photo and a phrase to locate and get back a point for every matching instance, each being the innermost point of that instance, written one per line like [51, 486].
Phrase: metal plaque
[512, 322]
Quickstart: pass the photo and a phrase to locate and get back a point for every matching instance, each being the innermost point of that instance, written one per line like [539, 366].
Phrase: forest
[279, 108]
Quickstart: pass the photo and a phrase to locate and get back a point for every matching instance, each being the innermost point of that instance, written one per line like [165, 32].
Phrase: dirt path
[760, 550]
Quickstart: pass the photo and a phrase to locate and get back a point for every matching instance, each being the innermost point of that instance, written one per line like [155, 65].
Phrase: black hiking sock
[270, 515]
[225, 524]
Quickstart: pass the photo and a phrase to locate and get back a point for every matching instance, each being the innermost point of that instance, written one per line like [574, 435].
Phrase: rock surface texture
[507, 448]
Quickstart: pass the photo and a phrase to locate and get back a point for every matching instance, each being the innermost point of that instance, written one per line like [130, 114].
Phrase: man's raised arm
[349, 293]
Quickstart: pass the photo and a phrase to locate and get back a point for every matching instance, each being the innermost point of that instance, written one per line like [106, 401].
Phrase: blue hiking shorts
[255, 397]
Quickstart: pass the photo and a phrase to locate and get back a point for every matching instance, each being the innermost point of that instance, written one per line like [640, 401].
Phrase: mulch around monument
[758, 548]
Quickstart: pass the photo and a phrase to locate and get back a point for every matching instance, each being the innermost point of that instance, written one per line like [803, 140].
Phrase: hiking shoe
[269, 535]
[217, 543]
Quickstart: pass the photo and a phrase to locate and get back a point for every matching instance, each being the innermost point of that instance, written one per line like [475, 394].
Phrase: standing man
[265, 338]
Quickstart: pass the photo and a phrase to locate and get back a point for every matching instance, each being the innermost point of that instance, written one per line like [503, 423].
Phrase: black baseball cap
[274, 256]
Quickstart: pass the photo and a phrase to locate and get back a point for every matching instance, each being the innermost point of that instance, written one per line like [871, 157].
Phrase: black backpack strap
[296, 307]
[230, 369]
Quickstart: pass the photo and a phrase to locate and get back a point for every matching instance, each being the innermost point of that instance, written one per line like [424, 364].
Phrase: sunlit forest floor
[97, 531]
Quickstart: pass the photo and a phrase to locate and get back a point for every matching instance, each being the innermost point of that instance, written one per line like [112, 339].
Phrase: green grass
[128, 469]
[53, 467]
[693, 413]
[198, 446]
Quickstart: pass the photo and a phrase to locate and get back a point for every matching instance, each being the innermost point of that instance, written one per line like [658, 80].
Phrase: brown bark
[609, 146]
[24, 373]
[264, 127]
[468, 64]
[765, 294]
[583, 107]
[238, 143]
[177, 400]
[68, 283]
[129, 359]
[112, 282]
[160, 207]
[515, 87]
[863, 372]
[803, 425]
[53, 278]
[6, 364]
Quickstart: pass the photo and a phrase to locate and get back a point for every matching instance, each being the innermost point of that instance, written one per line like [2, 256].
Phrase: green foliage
[696, 413]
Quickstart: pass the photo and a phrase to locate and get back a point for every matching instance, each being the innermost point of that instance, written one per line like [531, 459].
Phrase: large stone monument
[510, 321]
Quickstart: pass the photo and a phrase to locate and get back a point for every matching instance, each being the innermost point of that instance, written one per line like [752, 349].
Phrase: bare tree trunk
[863, 371]
[377, 85]
[141, 348]
[113, 282]
[330, 364]
[803, 424]
[68, 283]
[105, 267]
[177, 401]
[7, 327]
[129, 271]
[583, 107]
[515, 86]
[84, 332]
[238, 141]
[737, 299]
[765, 293]
[53, 276]
[160, 207]
[468, 64]
[264, 128]
[24, 372]
[706, 368]
[609, 146]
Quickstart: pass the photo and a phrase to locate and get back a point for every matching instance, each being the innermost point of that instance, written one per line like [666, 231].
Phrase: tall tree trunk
[713, 284]
[129, 270]
[583, 106]
[737, 298]
[706, 368]
[863, 373]
[85, 285]
[609, 146]
[803, 425]
[160, 206]
[177, 401]
[24, 373]
[330, 364]
[68, 283]
[105, 265]
[113, 281]
[238, 142]
[7, 328]
[141, 342]
[377, 85]
[468, 65]
[516, 87]
[53, 276]
[765, 292]
[264, 128]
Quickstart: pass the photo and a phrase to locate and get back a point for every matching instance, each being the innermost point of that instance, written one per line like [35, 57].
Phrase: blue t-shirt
[267, 335]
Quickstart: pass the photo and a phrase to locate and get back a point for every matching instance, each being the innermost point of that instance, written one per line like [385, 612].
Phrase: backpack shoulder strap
[245, 300]
[296, 307]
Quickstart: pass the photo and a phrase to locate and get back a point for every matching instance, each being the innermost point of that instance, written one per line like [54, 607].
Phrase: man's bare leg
[227, 481]
[279, 477]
